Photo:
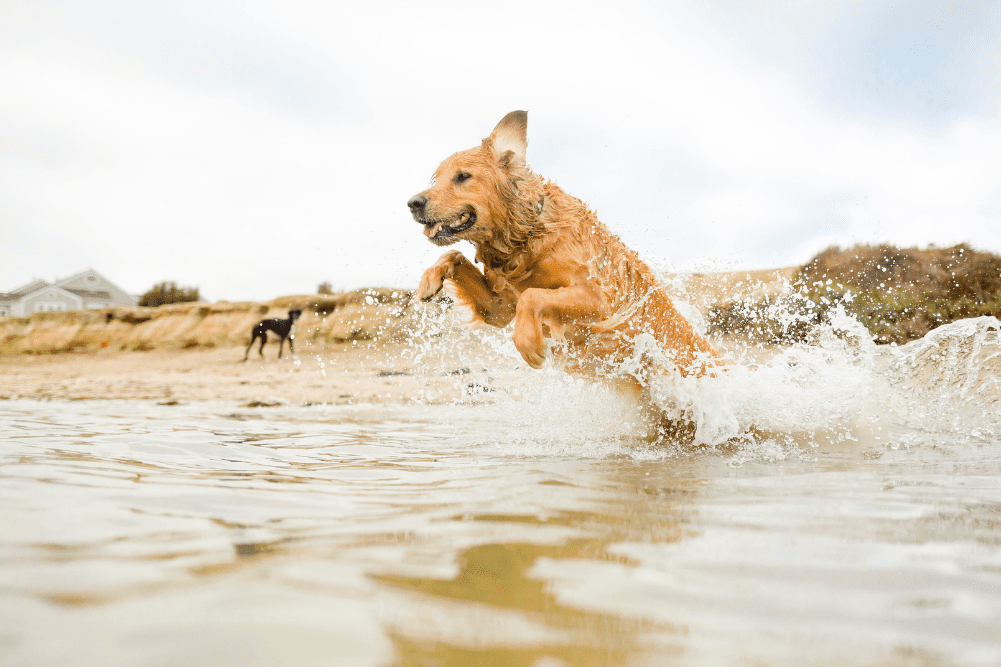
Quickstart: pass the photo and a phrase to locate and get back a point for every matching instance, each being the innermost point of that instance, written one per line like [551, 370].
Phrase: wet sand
[361, 372]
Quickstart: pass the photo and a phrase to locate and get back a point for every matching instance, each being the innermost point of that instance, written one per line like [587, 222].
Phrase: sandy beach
[355, 347]
[364, 372]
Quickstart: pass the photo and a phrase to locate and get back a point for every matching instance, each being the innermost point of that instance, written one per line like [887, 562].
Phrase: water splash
[948, 381]
[773, 402]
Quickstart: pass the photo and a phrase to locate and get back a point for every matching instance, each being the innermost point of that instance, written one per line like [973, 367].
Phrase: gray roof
[25, 290]
[90, 294]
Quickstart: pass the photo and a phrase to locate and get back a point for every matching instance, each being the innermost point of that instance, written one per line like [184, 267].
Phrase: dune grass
[899, 294]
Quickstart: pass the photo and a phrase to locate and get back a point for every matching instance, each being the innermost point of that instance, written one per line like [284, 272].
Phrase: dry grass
[899, 294]
[358, 315]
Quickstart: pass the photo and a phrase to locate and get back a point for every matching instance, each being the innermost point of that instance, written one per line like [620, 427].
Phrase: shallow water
[536, 525]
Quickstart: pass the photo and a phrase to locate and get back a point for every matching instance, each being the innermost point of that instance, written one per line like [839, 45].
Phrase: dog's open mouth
[443, 232]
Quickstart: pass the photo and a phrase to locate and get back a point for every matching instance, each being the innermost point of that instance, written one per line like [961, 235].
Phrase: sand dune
[368, 314]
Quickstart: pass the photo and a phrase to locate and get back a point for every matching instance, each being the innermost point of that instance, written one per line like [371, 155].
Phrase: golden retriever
[548, 264]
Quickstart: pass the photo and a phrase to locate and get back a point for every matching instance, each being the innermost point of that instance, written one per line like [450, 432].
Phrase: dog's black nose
[417, 204]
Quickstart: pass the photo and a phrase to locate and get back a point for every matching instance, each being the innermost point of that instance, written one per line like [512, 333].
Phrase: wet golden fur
[548, 263]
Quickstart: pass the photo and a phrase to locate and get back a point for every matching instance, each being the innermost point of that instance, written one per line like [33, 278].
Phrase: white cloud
[257, 150]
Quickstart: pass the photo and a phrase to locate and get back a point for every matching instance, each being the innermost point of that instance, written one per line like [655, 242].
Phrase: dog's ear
[509, 140]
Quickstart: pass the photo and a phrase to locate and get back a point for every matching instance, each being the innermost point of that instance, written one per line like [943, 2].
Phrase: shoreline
[337, 375]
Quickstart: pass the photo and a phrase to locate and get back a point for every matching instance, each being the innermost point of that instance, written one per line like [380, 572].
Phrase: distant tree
[168, 292]
[325, 288]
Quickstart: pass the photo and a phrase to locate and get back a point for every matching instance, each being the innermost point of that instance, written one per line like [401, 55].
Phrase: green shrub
[168, 292]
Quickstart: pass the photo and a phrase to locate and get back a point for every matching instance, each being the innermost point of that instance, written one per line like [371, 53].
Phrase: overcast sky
[255, 149]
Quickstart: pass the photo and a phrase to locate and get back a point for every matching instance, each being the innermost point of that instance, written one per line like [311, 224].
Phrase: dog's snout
[417, 204]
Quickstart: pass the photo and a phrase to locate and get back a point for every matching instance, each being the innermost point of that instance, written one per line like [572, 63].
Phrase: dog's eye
[462, 177]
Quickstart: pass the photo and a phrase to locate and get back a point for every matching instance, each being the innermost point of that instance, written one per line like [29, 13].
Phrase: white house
[87, 289]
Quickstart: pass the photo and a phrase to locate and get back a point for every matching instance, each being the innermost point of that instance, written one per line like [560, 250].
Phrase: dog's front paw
[434, 277]
[431, 283]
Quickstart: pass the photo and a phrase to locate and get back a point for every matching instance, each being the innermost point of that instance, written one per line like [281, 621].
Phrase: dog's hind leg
[253, 339]
[264, 339]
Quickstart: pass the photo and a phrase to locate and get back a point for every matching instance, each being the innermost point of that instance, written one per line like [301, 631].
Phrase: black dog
[284, 329]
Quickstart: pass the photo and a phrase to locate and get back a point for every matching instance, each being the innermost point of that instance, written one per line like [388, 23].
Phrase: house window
[50, 307]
